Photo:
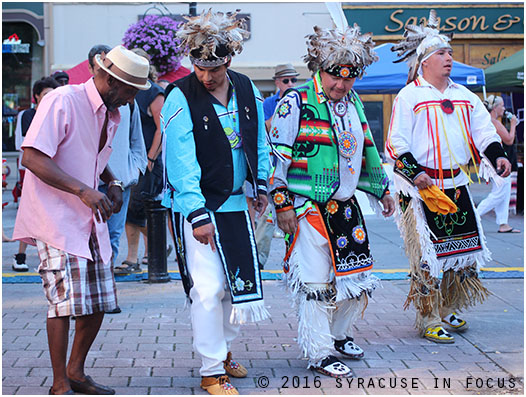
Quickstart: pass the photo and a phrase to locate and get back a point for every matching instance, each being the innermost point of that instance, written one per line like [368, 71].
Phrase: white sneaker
[19, 264]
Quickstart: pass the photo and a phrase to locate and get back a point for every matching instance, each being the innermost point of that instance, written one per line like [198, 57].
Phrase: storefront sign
[463, 20]
[483, 55]
[14, 45]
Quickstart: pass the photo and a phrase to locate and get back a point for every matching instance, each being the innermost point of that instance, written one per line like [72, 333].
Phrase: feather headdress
[419, 43]
[213, 37]
[329, 49]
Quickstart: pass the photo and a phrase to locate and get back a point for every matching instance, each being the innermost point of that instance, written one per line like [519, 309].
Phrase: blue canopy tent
[386, 77]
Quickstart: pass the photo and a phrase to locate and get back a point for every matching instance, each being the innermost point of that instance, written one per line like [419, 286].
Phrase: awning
[506, 75]
[386, 77]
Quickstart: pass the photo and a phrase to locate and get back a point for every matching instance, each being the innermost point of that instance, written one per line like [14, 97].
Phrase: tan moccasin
[234, 369]
[219, 386]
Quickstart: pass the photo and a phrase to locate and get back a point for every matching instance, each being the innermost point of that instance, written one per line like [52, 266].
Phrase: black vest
[213, 151]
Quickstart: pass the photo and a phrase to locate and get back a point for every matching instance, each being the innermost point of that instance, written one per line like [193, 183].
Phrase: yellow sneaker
[233, 368]
[455, 322]
[438, 335]
[219, 386]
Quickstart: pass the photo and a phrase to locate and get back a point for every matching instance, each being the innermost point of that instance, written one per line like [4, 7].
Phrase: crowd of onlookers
[135, 160]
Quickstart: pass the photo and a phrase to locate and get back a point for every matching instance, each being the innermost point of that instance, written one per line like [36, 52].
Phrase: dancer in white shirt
[436, 128]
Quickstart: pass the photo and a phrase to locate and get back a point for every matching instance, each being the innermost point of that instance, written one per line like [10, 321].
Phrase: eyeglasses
[292, 80]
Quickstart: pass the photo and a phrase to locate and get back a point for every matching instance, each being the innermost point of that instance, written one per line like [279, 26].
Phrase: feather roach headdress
[419, 43]
[344, 54]
[212, 39]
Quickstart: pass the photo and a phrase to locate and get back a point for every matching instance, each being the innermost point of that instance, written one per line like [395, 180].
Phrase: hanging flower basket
[156, 35]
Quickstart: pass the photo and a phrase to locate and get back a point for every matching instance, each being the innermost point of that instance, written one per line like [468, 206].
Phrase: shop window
[375, 116]
[21, 66]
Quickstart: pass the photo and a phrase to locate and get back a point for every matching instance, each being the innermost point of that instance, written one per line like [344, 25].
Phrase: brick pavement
[147, 348]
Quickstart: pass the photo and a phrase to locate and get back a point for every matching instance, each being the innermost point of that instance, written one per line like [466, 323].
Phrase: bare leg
[57, 338]
[132, 235]
[22, 248]
[144, 232]
[86, 329]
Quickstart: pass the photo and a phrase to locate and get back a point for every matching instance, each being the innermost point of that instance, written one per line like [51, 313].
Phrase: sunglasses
[292, 80]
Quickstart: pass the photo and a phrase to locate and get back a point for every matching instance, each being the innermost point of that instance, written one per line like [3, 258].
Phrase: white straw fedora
[125, 66]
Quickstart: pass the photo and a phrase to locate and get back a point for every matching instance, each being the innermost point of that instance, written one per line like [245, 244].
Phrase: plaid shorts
[76, 286]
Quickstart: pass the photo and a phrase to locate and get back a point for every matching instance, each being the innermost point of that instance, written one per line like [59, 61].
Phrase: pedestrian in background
[24, 119]
[499, 198]
[127, 162]
[66, 151]
[435, 127]
[149, 186]
[285, 77]
[61, 77]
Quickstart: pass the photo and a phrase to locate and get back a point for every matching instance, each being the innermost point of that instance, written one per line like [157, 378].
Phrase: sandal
[512, 230]
[438, 335]
[127, 267]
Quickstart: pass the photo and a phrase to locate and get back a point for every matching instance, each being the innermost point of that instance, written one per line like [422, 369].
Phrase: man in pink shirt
[66, 150]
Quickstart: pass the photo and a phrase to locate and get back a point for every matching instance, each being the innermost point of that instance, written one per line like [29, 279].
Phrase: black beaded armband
[406, 166]
[282, 199]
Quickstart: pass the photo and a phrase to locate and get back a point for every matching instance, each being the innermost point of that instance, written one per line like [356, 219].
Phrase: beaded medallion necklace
[347, 143]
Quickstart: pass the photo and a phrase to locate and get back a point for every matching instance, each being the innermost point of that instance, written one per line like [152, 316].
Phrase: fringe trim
[462, 289]
[347, 287]
[249, 312]
[461, 262]
[312, 341]
[487, 172]
[353, 285]
[310, 304]
[375, 205]
[292, 279]
[424, 291]
[402, 185]
[416, 235]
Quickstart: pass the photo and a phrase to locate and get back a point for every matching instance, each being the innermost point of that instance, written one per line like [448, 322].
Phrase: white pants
[320, 322]
[498, 200]
[211, 305]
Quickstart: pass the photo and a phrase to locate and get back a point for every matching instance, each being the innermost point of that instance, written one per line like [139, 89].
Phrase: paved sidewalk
[147, 349]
